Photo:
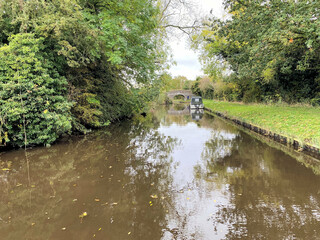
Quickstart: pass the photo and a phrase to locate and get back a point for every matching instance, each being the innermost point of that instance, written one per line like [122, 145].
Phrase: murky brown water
[160, 177]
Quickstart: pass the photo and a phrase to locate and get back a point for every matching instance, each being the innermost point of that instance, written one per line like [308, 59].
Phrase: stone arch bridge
[187, 94]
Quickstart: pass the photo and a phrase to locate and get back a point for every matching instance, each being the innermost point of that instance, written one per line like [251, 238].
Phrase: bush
[315, 101]
[32, 94]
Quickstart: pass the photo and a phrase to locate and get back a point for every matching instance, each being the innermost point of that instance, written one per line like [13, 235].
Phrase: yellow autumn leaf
[82, 215]
[45, 111]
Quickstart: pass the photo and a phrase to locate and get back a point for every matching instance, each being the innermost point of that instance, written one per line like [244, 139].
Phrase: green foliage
[176, 83]
[127, 34]
[203, 86]
[187, 85]
[90, 52]
[271, 46]
[206, 87]
[31, 93]
[195, 87]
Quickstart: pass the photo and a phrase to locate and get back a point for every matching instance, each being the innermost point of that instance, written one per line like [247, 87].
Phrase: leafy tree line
[70, 65]
[175, 83]
[269, 50]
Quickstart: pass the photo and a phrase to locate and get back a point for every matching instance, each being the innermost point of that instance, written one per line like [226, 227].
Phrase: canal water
[170, 175]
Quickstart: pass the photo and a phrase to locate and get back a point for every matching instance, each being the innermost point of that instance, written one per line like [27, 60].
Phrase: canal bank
[307, 160]
[290, 141]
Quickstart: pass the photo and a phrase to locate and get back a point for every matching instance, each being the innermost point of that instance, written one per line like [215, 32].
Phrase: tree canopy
[72, 64]
[271, 48]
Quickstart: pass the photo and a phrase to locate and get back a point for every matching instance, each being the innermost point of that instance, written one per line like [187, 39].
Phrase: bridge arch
[187, 94]
[178, 96]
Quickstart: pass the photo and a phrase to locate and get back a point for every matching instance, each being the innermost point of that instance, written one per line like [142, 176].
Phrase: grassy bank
[296, 122]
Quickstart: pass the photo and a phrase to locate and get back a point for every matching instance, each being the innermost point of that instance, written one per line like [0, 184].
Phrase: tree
[206, 87]
[269, 45]
[92, 52]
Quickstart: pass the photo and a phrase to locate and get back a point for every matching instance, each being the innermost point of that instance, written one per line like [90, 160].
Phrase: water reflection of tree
[121, 170]
[167, 120]
[271, 195]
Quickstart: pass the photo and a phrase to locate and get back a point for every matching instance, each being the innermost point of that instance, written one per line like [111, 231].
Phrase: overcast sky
[187, 60]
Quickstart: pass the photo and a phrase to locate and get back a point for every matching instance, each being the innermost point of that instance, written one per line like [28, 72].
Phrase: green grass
[301, 123]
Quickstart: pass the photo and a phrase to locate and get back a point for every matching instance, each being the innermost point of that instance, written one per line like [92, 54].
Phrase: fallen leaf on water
[129, 233]
[97, 200]
[5, 169]
[104, 204]
[74, 185]
[32, 224]
[82, 215]
[154, 196]
[19, 184]
[115, 203]
[74, 200]
[99, 229]
[63, 229]
[110, 166]
[33, 186]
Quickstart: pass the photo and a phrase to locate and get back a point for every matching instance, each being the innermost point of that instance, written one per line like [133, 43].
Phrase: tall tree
[269, 45]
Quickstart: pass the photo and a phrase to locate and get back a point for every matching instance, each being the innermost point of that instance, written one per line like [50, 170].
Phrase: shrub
[32, 94]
